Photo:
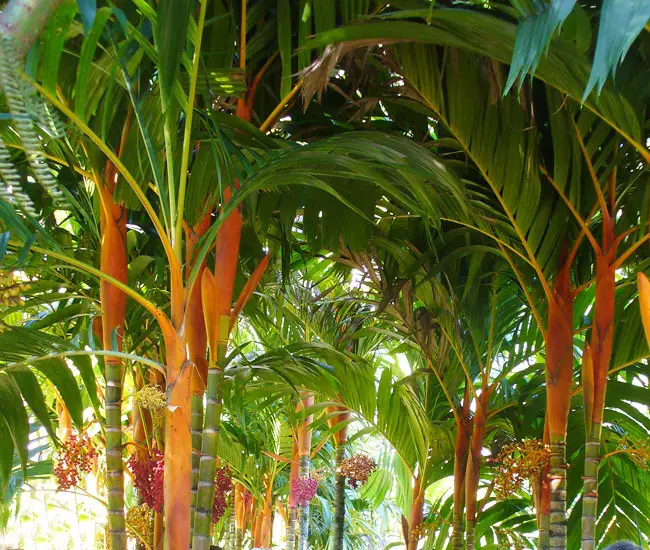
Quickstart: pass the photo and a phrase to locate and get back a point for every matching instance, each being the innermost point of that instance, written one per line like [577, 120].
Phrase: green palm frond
[534, 34]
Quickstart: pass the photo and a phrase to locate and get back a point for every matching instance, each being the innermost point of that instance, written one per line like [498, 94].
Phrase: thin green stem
[187, 136]
[119, 354]
[574, 212]
[169, 128]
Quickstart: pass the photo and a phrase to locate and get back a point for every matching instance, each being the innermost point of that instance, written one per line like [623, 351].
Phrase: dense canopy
[324, 274]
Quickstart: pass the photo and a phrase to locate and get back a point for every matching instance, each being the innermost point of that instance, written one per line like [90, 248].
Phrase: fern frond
[27, 109]
[10, 183]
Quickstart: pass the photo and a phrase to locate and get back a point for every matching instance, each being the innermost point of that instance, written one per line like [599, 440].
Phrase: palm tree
[447, 84]
[439, 77]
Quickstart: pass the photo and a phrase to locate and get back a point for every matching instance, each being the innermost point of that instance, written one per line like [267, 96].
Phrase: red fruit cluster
[222, 488]
[303, 489]
[148, 471]
[74, 459]
[357, 469]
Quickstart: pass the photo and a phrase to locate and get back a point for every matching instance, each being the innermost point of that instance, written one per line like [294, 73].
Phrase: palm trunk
[559, 373]
[474, 467]
[208, 460]
[416, 516]
[557, 519]
[545, 531]
[256, 528]
[114, 262]
[243, 505]
[230, 528]
[463, 432]
[197, 346]
[291, 528]
[197, 439]
[335, 416]
[543, 500]
[339, 502]
[114, 473]
[178, 443]
[304, 464]
[227, 256]
[158, 531]
[141, 424]
[303, 512]
[217, 295]
[596, 362]
[292, 515]
[590, 495]
[239, 538]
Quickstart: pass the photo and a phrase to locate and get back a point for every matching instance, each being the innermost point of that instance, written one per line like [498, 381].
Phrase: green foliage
[414, 232]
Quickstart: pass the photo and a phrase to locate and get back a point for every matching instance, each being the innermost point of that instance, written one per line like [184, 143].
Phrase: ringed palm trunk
[542, 496]
[304, 465]
[474, 467]
[217, 295]
[596, 360]
[113, 261]
[292, 512]
[340, 437]
[559, 373]
[339, 502]
[463, 433]
[197, 347]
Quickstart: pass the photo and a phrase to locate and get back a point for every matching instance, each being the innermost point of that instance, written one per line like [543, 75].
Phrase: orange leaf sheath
[644, 302]
[559, 354]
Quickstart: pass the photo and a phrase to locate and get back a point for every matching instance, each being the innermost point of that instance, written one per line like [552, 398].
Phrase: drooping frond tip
[620, 24]
[534, 35]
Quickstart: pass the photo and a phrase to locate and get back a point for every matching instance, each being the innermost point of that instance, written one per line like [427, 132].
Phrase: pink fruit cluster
[303, 489]
[222, 488]
[148, 471]
[74, 459]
